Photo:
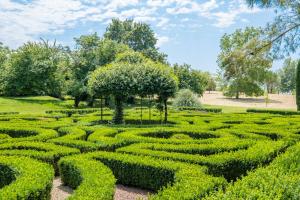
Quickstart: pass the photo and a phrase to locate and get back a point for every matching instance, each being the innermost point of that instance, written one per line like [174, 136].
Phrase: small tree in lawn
[124, 79]
[298, 86]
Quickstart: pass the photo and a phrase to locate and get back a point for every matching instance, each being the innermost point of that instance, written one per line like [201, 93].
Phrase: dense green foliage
[242, 70]
[287, 76]
[186, 98]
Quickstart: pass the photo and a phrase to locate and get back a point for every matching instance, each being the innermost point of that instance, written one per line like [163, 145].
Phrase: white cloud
[25, 20]
[161, 40]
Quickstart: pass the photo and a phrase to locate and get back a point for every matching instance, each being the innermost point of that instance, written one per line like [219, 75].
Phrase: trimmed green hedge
[32, 179]
[213, 110]
[280, 112]
[228, 164]
[171, 180]
[70, 112]
[279, 180]
[90, 179]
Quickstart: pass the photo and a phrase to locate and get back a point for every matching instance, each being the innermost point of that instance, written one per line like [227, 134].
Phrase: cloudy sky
[187, 30]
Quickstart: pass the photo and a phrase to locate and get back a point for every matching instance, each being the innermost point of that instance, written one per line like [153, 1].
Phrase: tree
[4, 55]
[91, 52]
[33, 70]
[298, 86]
[124, 79]
[272, 82]
[287, 75]
[138, 36]
[283, 33]
[211, 84]
[242, 70]
[191, 79]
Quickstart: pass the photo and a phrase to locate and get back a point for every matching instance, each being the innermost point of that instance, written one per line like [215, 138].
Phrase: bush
[32, 179]
[280, 112]
[186, 98]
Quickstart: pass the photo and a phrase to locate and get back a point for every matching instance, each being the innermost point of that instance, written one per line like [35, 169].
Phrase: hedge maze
[196, 155]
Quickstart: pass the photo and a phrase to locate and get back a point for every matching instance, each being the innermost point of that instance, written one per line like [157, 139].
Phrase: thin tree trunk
[76, 102]
[166, 110]
[149, 108]
[141, 110]
[118, 115]
[237, 95]
[101, 107]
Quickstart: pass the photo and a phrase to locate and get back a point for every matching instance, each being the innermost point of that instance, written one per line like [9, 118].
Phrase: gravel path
[128, 193]
[59, 191]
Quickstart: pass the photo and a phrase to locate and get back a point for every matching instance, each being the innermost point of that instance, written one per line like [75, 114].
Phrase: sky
[188, 31]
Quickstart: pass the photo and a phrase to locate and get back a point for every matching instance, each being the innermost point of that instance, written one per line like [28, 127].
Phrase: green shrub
[186, 98]
[32, 179]
[90, 179]
[280, 112]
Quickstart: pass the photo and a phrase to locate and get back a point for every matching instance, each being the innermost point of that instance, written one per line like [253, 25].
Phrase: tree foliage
[287, 75]
[33, 69]
[124, 79]
[243, 71]
[137, 35]
[298, 86]
[283, 33]
[192, 79]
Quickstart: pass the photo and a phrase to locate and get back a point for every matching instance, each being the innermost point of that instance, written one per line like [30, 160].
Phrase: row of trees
[124, 63]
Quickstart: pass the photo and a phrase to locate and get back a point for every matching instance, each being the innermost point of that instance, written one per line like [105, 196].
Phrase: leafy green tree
[124, 79]
[298, 86]
[191, 79]
[242, 70]
[33, 70]
[272, 82]
[91, 52]
[283, 33]
[4, 54]
[211, 84]
[287, 75]
[138, 36]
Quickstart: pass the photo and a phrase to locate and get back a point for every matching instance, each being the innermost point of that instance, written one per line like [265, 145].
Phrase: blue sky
[188, 30]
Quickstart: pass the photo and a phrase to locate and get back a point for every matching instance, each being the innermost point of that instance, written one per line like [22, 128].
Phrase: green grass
[32, 105]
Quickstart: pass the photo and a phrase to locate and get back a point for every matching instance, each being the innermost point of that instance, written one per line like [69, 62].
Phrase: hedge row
[213, 110]
[45, 152]
[169, 135]
[90, 179]
[31, 179]
[279, 180]
[26, 134]
[70, 112]
[228, 164]
[280, 112]
[171, 180]
[9, 113]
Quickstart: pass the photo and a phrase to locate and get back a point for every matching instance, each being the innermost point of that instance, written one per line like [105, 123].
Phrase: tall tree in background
[4, 54]
[287, 76]
[91, 52]
[272, 82]
[243, 71]
[138, 36]
[192, 79]
[33, 70]
[283, 33]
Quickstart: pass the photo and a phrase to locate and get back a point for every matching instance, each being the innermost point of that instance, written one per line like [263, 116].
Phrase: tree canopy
[243, 71]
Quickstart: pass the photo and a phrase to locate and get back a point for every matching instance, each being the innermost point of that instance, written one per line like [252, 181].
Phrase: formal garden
[112, 112]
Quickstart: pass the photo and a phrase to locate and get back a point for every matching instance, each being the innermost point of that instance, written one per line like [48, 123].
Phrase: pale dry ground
[61, 192]
[276, 101]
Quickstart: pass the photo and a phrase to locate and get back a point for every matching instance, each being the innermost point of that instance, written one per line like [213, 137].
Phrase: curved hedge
[32, 179]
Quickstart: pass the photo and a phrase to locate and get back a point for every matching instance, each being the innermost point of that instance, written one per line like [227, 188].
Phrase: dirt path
[61, 192]
[276, 101]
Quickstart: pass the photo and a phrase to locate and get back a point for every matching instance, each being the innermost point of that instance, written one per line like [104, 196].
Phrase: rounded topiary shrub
[186, 98]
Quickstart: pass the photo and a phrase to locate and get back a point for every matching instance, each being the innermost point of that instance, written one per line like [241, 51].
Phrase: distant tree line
[124, 63]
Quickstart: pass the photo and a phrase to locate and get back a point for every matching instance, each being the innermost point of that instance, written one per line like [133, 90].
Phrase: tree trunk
[76, 102]
[237, 95]
[91, 101]
[149, 108]
[141, 110]
[118, 115]
[166, 110]
[101, 108]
